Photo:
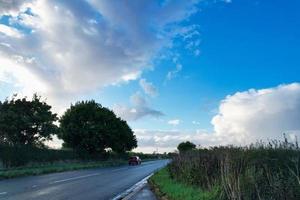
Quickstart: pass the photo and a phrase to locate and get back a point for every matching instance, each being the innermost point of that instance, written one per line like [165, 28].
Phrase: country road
[104, 183]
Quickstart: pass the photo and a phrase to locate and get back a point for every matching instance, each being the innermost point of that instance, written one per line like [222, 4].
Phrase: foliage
[164, 186]
[90, 128]
[186, 146]
[26, 122]
[261, 171]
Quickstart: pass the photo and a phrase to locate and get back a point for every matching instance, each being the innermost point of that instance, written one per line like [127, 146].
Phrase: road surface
[104, 183]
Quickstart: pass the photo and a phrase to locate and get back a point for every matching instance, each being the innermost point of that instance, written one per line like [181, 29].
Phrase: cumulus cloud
[79, 46]
[137, 110]
[259, 114]
[174, 122]
[242, 118]
[148, 88]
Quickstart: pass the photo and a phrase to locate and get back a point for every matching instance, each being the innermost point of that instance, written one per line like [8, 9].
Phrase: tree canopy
[89, 127]
[26, 122]
[186, 146]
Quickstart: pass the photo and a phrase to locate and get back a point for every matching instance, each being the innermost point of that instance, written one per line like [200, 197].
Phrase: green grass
[51, 168]
[164, 186]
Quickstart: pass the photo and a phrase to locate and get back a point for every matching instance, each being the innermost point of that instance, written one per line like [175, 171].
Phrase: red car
[134, 160]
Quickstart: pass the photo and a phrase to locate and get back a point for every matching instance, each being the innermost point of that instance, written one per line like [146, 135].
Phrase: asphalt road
[104, 183]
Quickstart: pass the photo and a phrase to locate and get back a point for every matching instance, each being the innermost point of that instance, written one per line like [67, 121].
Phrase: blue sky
[167, 67]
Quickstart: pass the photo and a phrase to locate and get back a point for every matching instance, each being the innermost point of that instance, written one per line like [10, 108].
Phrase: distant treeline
[261, 171]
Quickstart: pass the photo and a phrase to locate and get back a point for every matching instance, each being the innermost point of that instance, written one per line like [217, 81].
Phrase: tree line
[87, 126]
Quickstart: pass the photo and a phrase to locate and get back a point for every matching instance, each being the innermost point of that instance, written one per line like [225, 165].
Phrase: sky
[214, 72]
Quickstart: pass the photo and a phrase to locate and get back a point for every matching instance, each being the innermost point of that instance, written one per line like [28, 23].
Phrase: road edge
[129, 193]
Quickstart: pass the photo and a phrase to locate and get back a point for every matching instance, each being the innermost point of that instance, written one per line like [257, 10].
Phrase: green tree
[90, 128]
[26, 122]
[186, 146]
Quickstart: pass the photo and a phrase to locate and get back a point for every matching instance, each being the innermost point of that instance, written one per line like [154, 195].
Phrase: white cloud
[259, 114]
[14, 70]
[148, 88]
[9, 31]
[174, 122]
[167, 140]
[137, 110]
[83, 46]
[243, 118]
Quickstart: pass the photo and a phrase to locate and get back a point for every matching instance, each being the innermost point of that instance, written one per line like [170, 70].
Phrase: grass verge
[167, 188]
[51, 168]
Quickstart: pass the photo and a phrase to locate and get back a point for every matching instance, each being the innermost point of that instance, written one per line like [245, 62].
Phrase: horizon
[174, 70]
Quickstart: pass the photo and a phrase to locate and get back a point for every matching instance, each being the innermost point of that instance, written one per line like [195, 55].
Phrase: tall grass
[260, 171]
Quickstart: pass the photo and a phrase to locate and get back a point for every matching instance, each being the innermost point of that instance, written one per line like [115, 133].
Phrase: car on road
[134, 160]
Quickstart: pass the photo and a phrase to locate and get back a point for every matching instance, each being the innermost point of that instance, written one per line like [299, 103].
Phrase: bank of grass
[56, 167]
[167, 188]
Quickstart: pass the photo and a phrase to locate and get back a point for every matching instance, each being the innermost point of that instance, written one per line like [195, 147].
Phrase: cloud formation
[174, 122]
[172, 74]
[176, 58]
[139, 109]
[12, 7]
[79, 46]
[148, 88]
[259, 114]
[242, 118]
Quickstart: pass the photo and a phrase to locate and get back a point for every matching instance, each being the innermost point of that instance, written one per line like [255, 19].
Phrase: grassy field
[56, 167]
[167, 188]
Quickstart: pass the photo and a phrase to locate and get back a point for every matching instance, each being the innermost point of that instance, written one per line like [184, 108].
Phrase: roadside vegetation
[165, 187]
[261, 171]
[93, 136]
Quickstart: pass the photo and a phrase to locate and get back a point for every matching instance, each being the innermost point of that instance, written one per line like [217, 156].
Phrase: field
[261, 171]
